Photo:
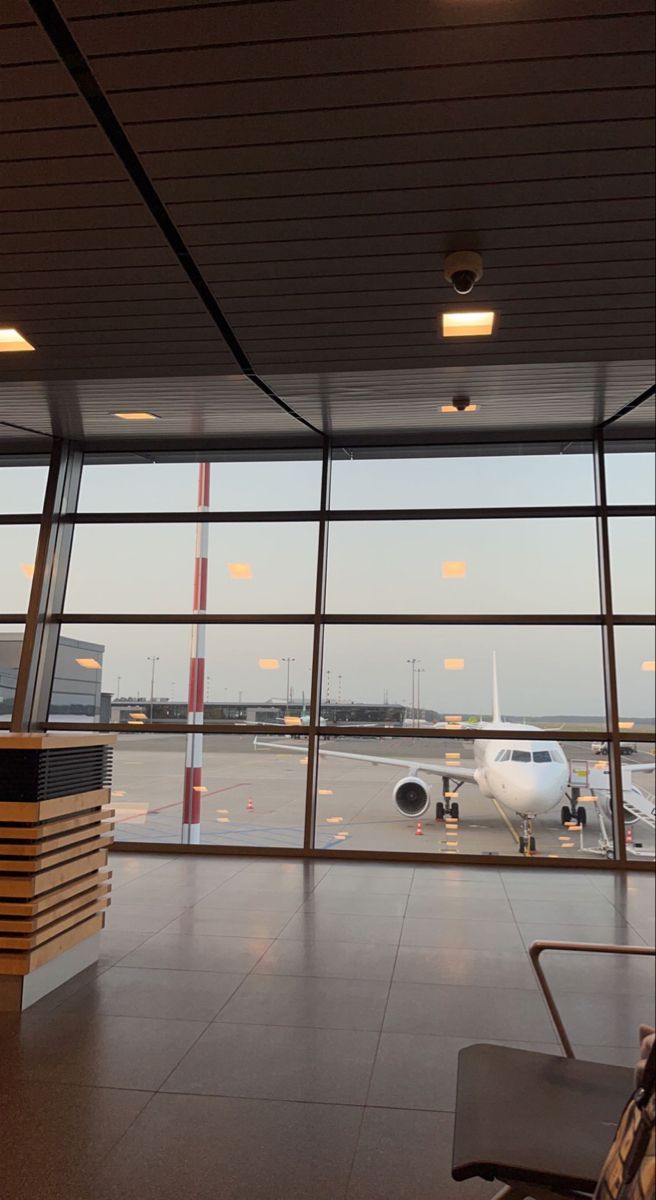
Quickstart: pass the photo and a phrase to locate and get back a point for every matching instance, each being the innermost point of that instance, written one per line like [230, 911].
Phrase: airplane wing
[465, 774]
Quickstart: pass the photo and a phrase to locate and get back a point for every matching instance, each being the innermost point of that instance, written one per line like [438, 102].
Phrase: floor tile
[343, 927]
[345, 960]
[52, 1135]
[619, 933]
[102, 1051]
[418, 1071]
[479, 968]
[231, 899]
[592, 1019]
[477, 1013]
[140, 918]
[247, 923]
[407, 1156]
[207, 1147]
[606, 973]
[116, 943]
[146, 992]
[597, 911]
[277, 1062]
[362, 903]
[197, 952]
[459, 908]
[473, 934]
[321, 1003]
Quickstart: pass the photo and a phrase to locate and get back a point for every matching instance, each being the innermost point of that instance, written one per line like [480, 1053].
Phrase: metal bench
[539, 1124]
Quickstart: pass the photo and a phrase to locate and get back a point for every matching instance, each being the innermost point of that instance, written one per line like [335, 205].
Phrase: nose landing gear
[526, 844]
[448, 806]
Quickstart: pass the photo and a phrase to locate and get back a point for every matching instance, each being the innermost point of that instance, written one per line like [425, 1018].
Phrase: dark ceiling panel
[319, 161]
[298, 20]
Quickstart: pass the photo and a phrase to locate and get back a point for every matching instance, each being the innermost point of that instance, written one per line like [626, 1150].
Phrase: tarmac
[256, 797]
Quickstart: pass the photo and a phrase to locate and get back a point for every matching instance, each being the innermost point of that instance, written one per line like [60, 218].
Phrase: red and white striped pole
[191, 796]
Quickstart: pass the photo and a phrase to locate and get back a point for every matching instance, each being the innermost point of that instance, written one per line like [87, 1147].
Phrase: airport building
[327, 596]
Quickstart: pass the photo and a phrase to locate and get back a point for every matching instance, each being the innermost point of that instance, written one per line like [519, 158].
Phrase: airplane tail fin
[496, 710]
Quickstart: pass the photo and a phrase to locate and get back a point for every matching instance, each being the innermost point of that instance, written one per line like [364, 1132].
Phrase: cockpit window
[560, 755]
[521, 756]
[542, 756]
[500, 756]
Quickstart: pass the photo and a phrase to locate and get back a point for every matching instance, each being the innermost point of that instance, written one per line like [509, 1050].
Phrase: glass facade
[419, 667]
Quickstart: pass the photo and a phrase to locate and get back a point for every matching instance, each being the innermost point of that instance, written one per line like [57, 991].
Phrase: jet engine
[411, 796]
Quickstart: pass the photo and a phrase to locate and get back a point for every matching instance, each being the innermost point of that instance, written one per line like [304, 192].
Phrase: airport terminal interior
[327, 578]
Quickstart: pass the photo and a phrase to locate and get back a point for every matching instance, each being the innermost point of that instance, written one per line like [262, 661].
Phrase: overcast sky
[541, 566]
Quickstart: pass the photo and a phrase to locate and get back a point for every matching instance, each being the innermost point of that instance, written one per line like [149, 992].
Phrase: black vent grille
[35, 775]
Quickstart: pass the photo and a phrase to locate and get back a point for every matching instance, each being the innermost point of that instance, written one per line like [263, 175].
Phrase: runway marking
[178, 803]
[505, 819]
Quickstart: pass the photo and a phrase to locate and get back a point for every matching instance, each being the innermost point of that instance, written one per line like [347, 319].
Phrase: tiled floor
[285, 1030]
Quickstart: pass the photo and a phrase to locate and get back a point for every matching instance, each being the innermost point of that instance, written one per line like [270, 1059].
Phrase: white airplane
[526, 778]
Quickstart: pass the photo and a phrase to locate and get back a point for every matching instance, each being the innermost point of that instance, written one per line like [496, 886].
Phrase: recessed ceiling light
[649, 665]
[240, 570]
[467, 324]
[451, 408]
[454, 570]
[136, 416]
[454, 664]
[11, 340]
[90, 663]
[269, 664]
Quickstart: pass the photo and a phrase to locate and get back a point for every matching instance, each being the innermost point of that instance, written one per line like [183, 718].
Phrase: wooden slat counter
[56, 828]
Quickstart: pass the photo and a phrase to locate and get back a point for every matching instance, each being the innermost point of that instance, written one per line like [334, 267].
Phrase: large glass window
[149, 568]
[454, 480]
[11, 644]
[247, 795]
[461, 566]
[236, 485]
[17, 552]
[446, 723]
[455, 796]
[127, 673]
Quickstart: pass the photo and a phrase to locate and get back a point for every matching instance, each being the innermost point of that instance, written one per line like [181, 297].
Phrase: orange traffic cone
[419, 831]
[250, 806]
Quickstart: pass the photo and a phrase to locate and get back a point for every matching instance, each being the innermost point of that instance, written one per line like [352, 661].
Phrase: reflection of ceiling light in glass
[240, 570]
[27, 569]
[453, 719]
[325, 792]
[11, 341]
[269, 664]
[138, 716]
[334, 820]
[454, 570]
[452, 754]
[467, 324]
[454, 664]
[199, 788]
[90, 664]
[136, 416]
[451, 408]
[627, 724]
[292, 721]
[115, 793]
[649, 665]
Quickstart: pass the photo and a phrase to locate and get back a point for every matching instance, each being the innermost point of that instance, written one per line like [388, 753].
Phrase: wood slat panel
[24, 887]
[48, 829]
[31, 923]
[22, 963]
[46, 861]
[33, 850]
[60, 806]
[30, 941]
[60, 894]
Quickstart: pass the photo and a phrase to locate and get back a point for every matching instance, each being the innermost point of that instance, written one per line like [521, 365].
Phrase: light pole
[289, 662]
[339, 689]
[420, 671]
[153, 659]
[413, 663]
[118, 685]
[327, 685]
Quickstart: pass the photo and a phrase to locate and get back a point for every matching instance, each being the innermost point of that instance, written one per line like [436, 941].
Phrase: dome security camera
[462, 270]
[461, 402]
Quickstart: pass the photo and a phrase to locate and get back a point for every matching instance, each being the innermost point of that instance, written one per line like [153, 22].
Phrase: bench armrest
[537, 948]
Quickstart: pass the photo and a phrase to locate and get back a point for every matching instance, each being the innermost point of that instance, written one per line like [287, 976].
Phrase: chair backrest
[630, 1169]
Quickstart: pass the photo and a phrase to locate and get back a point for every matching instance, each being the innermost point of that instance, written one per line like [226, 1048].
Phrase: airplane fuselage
[526, 777]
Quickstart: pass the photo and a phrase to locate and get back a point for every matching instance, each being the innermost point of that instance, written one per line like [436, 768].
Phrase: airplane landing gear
[526, 844]
[574, 811]
[447, 806]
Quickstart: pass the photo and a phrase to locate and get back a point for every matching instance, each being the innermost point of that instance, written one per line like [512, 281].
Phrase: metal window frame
[46, 616]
